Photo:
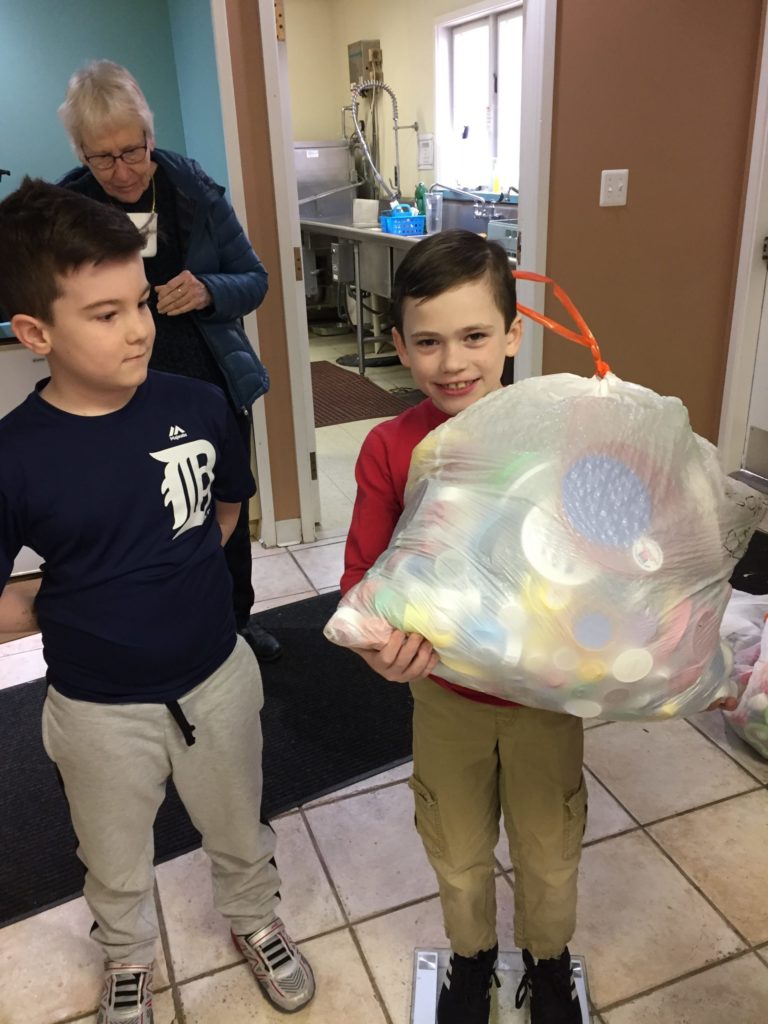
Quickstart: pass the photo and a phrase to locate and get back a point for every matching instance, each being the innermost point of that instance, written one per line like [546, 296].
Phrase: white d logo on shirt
[187, 482]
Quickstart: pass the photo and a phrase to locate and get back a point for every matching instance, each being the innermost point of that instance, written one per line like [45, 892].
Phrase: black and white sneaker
[127, 996]
[465, 997]
[284, 975]
[550, 983]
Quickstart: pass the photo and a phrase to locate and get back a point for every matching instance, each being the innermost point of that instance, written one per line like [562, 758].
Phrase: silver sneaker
[127, 997]
[285, 977]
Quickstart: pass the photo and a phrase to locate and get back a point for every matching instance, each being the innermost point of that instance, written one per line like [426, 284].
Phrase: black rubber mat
[328, 721]
[343, 396]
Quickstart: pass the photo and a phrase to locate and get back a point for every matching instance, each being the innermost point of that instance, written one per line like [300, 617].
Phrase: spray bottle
[421, 191]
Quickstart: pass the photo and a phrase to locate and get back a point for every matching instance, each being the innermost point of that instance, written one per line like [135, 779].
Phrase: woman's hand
[403, 658]
[182, 294]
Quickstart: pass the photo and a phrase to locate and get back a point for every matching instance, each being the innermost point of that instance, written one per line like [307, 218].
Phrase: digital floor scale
[430, 965]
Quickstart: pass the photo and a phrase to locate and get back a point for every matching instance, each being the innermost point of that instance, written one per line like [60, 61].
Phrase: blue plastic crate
[403, 225]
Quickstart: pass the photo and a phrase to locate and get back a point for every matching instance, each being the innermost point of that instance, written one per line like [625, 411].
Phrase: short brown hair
[449, 258]
[47, 232]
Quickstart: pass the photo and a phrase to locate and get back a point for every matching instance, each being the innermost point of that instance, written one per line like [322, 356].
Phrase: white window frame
[444, 27]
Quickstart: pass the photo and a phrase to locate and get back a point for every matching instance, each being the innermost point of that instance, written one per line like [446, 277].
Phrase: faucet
[480, 203]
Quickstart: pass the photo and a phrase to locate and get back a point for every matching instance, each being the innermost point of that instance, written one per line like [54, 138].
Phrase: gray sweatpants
[115, 760]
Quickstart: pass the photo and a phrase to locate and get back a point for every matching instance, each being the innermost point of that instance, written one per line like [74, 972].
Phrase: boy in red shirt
[455, 318]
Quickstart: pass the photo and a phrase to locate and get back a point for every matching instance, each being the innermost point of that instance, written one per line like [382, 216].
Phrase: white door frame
[539, 25]
[289, 241]
[750, 288]
[301, 530]
[539, 32]
[237, 198]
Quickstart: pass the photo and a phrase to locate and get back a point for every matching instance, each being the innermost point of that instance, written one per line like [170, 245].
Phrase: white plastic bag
[745, 629]
[566, 543]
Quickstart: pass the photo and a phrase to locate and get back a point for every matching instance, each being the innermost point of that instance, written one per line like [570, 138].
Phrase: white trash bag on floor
[745, 629]
[566, 543]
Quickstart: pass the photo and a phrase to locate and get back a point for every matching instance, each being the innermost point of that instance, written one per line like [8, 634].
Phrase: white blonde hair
[101, 96]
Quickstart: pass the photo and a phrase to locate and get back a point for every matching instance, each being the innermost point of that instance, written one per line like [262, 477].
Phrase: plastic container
[402, 224]
[434, 212]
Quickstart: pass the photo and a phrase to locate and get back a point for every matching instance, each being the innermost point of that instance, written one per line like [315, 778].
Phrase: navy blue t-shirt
[135, 603]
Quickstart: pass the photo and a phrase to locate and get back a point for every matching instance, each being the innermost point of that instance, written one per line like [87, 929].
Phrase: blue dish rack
[402, 223]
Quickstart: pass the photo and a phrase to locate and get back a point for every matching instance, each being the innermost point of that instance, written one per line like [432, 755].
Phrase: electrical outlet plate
[613, 187]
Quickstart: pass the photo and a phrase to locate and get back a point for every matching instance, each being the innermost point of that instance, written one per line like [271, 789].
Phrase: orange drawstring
[583, 337]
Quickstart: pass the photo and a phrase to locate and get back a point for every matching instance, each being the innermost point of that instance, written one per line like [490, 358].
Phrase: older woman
[204, 273]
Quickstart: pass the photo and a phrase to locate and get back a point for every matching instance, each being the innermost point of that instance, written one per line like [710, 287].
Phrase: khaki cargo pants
[473, 761]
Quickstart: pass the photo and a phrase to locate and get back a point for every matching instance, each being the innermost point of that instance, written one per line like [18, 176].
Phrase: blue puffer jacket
[220, 255]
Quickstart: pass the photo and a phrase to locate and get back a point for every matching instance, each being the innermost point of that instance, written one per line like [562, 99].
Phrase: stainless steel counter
[376, 256]
[342, 227]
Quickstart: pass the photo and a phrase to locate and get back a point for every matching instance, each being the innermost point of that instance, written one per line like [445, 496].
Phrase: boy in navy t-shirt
[127, 483]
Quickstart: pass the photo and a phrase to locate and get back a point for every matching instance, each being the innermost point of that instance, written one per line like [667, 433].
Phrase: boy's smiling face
[455, 343]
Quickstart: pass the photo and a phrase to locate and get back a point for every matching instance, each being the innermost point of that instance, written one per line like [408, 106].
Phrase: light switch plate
[613, 187]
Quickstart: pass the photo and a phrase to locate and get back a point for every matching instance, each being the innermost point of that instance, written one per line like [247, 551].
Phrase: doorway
[337, 445]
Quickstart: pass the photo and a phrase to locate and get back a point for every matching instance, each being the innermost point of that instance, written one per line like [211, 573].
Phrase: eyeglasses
[106, 161]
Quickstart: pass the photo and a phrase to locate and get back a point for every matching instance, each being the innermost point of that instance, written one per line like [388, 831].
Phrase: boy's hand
[723, 703]
[403, 658]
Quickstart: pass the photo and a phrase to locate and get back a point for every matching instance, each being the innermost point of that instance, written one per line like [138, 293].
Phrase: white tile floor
[673, 912]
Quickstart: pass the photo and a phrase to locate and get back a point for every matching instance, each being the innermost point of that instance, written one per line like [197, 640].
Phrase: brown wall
[245, 43]
[665, 88]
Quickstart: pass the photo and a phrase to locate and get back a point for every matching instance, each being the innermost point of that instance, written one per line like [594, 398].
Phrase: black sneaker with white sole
[551, 986]
[465, 997]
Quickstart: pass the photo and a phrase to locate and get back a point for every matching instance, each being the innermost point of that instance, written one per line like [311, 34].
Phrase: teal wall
[195, 55]
[43, 41]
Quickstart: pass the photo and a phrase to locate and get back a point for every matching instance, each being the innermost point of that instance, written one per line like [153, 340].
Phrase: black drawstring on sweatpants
[187, 730]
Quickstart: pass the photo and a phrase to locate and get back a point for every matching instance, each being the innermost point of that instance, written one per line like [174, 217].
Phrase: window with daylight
[479, 83]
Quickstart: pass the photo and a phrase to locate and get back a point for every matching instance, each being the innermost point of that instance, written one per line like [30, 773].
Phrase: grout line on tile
[370, 917]
[694, 885]
[709, 965]
[676, 814]
[211, 974]
[266, 552]
[308, 545]
[643, 828]
[178, 1007]
[614, 835]
[366, 966]
[702, 807]
[726, 751]
[338, 797]
[507, 876]
[608, 790]
[301, 569]
[323, 865]
[400, 906]
[345, 915]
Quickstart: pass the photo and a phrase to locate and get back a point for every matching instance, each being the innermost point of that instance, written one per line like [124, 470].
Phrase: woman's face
[124, 181]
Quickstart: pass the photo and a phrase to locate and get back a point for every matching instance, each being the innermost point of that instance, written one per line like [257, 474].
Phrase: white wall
[317, 68]
[318, 34]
